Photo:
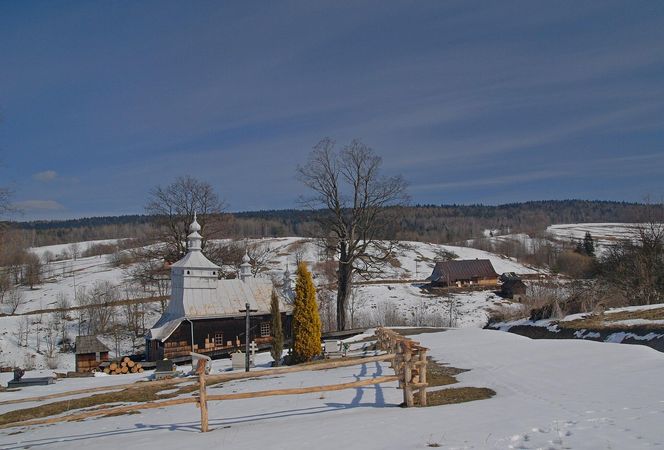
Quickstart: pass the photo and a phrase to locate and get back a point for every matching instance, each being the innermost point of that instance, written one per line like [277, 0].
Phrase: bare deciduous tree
[260, 255]
[6, 200]
[635, 266]
[14, 299]
[96, 307]
[33, 270]
[355, 303]
[74, 251]
[175, 205]
[51, 332]
[153, 276]
[348, 186]
[5, 285]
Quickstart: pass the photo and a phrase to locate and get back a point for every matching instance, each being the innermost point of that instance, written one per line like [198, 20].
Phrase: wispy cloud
[38, 205]
[493, 181]
[45, 176]
[453, 95]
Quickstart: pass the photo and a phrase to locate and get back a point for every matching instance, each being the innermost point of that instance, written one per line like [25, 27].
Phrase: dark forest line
[430, 223]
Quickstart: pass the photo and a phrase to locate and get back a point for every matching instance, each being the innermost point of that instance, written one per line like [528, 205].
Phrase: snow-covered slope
[549, 395]
[394, 291]
[603, 233]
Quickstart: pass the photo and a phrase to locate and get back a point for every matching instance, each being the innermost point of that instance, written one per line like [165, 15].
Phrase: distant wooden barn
[462, 273]
[90, 353]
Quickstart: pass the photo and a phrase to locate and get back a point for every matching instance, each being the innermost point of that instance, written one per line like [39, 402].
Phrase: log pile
[123, 366]
[410, 364]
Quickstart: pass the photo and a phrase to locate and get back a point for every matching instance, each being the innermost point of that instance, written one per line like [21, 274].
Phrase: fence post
[423, 377]
[409, 364]
[202, 396]
[407, 374]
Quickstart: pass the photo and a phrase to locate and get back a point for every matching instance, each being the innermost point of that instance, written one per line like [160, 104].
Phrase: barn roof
[512, 283]
[451, 271]
[89, 344]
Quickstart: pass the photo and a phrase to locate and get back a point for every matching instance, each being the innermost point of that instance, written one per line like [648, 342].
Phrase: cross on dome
[195, 226]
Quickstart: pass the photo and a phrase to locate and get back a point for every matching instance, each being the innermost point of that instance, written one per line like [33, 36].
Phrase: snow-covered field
[603, 233]
[549, 395]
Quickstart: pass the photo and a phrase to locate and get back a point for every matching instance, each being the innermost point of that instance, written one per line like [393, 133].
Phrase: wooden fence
[409, 364]
[407, 358]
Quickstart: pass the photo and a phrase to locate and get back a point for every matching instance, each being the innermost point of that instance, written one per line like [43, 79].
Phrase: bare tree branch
[175, 205]
[354, 197]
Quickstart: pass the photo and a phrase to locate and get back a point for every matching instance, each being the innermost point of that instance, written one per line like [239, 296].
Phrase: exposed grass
[442, 375]
[607, 321]
[130, 395]
[458, 395]
[416, 331]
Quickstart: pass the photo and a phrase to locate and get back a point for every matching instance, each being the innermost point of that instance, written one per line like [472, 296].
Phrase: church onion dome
[195, 259]
[245, 267]
[195, 227]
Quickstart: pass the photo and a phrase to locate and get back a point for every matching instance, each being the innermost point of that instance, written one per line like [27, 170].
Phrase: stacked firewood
[123, 366]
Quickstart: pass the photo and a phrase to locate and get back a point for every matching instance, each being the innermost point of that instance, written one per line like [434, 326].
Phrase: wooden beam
[348, 362]
[181, 401]
[303, 390]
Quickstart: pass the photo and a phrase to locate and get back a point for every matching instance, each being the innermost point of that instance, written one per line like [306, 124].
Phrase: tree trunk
[345, 278]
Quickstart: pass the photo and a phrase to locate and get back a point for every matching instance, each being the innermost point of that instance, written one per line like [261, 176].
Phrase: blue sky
[472, 102]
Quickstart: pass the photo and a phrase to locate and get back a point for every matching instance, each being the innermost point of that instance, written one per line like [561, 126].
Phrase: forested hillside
[431, 223]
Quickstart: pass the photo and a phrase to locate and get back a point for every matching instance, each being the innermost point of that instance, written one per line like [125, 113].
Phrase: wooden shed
[90, 353]
[513, 288]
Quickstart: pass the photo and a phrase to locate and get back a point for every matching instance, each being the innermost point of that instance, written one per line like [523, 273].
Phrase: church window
[265, 329]
[219, 339]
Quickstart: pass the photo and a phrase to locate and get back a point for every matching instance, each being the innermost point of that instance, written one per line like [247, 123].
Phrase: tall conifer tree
[306, 321]
[589, 244]
[276, 330]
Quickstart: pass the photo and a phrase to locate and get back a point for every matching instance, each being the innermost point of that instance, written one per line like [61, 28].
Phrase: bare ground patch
[607, 321]
[443, 375]
[458, 395]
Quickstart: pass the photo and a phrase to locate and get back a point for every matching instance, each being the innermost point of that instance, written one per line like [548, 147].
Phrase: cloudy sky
[472, 102]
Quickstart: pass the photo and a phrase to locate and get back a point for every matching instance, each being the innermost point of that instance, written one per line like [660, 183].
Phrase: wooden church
[205, 314]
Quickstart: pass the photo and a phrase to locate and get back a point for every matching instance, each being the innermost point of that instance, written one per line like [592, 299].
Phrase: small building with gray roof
[90, 353]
